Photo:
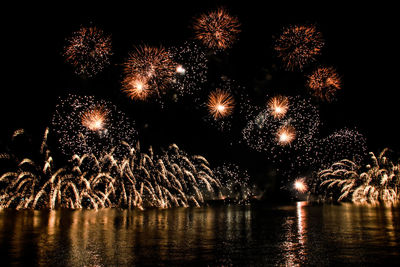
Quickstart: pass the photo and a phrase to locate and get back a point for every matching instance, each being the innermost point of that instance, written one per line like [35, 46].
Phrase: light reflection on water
[291, 235]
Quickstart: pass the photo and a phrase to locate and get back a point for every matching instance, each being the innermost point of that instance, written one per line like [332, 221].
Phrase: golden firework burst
[300, 185]
[153, 64]
[286, 134]
[220, 103]
[324, 82]
[278, 105]
[299, 45]
[88, 51]
[95, 119]
[136, 87]
[217, 29]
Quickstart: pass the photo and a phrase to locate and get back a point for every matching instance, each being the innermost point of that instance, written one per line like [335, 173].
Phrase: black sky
[359, 44]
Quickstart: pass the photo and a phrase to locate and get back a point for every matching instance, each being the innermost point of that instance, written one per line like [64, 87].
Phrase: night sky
[359, 43]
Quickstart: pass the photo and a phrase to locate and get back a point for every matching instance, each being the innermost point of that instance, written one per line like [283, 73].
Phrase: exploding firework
[138, 180]
[136, 87]
[95, 119]
[217, 29]
[288, 139]
[220, 104]
[278, 105]
[150, 67]
[285, 135]
[380, 181]
[324, 82]
[83, 124]
[300, 185]
[298, 46]
[88, 51]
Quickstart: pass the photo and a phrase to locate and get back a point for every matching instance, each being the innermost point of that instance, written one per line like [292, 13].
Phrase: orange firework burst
[217, 29]
[88, 51]
[299, 45]
[95, 119]
[151, 66]
[220, 104]
[136, 87]
[300, 185]
[278, 105]
[324, 82]
[285, 135]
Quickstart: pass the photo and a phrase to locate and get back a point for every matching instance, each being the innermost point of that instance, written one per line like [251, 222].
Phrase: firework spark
[217, 29]
[151, 64]
[285, 135]
[278, 105]
[298, 46]
[300, 185]
[220, 104]
[88, 51]
[180, 70]
[95, 119]
[324, 82]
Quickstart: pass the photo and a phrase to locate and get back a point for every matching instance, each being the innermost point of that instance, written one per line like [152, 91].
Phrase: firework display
[138, 180]
[379, 182]
[84, 124]
[106, 167]
[324, 82]
[217, 29]
[88, 50]
[298, 45]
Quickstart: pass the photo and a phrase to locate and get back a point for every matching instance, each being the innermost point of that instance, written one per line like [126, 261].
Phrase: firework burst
[278, 105]
[286, 135]
[300, 185]
[136, 87]
[153, 67]
[324, 82]
[88, 51]
[217, 29]
[220, 104]
[298, 45]
[95, 119]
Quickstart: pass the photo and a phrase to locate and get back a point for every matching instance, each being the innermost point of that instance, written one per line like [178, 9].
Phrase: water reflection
[293, 235]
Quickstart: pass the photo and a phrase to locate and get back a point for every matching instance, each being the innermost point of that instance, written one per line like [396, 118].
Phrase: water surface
[298, 234]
